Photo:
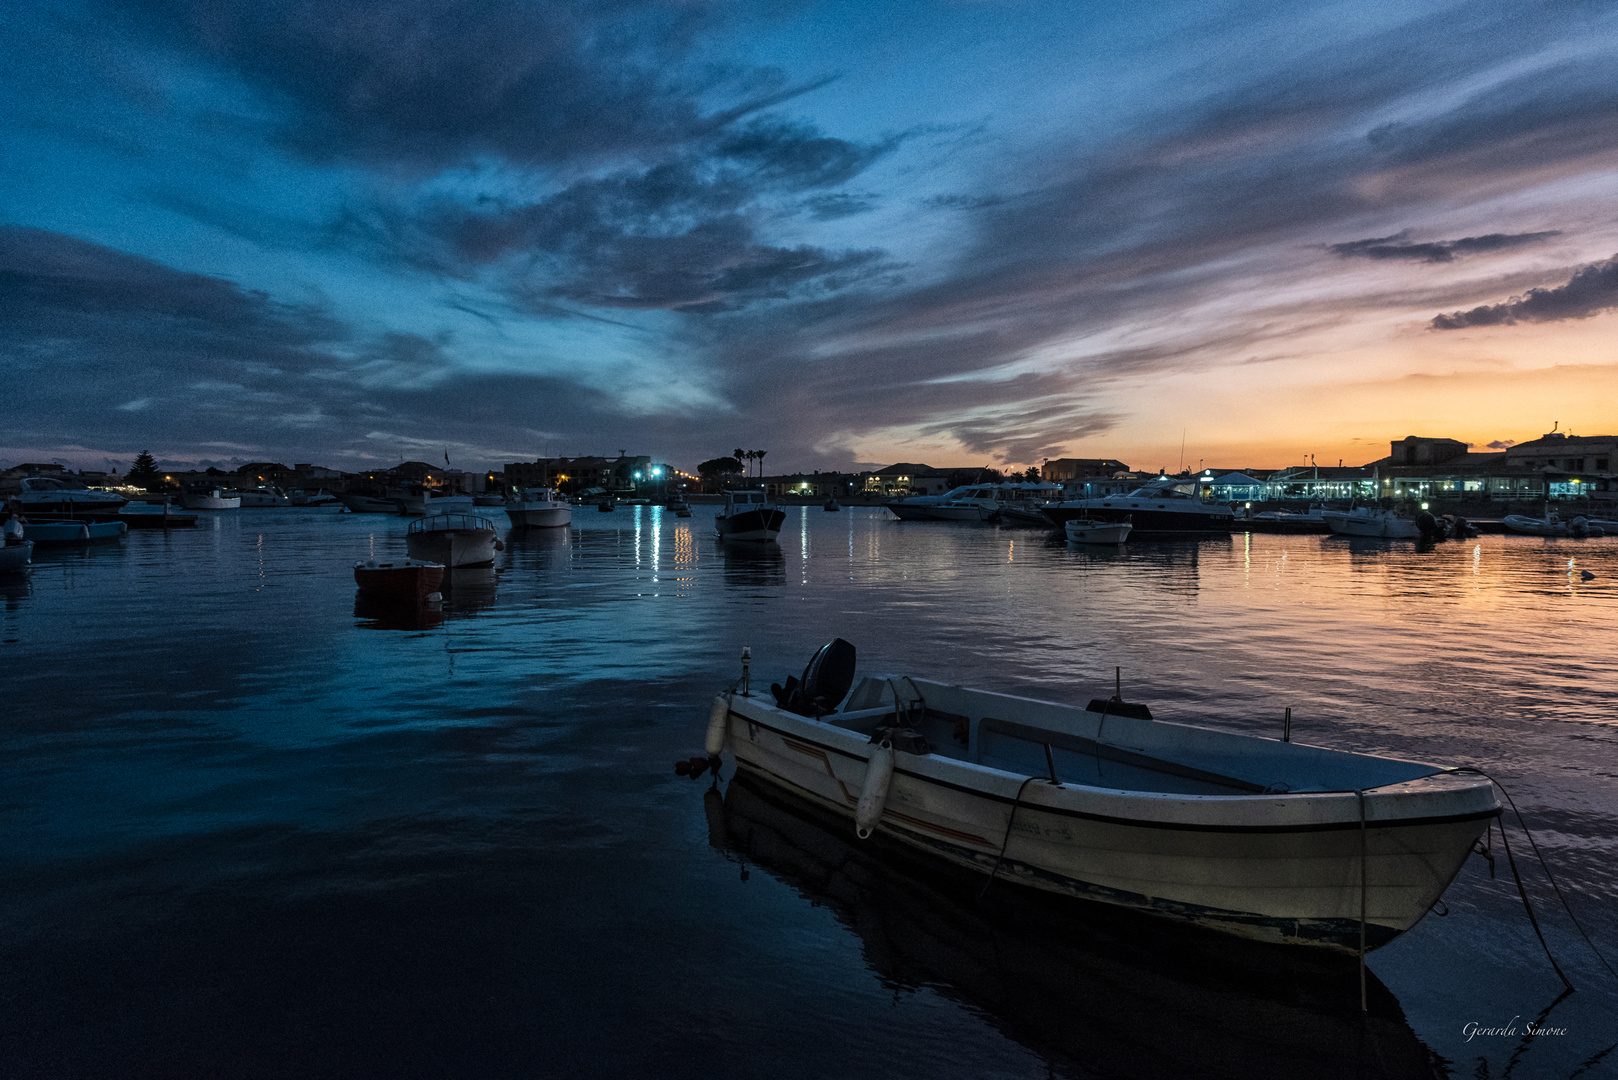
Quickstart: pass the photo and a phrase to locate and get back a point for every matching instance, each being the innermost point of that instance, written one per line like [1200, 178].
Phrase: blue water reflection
[245, 806]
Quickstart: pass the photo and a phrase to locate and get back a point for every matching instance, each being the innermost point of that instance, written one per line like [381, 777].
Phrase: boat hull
[911, 511]
[1276, 868]
[369, 504]
[210, 502]
[1145, 521]
[14, 557]
[1092, 532]
[409, 580]
[1381, 527]
[51, 533]
[757, 525]
[540, 517]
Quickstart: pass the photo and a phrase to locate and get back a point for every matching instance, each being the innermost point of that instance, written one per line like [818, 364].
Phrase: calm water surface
[254, 827]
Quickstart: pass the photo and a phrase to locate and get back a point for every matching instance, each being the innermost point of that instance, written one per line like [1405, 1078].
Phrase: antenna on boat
[747, 660]
[1117, 684]
[1286, 726]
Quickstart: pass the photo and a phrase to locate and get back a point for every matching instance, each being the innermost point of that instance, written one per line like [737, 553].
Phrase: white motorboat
[312, 498]
[212, 499]
[538, 508]
[1085, 531]
[1371, 521]
[369, 502]
[749, 515]
[425, 501]
[1553, 525]
[452, 539]
[262, 496]
[1169, 506]
[1264, 839]
[55, 495]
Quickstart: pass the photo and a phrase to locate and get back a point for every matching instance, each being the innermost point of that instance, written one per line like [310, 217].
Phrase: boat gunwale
[1028, 800]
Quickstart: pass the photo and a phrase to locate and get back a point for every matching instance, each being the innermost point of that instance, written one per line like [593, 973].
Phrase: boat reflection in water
[465, 591]
[754, 563]
[1095, 990]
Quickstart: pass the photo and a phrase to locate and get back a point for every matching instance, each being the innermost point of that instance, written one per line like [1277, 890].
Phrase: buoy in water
[874, 792]
[698, 766]
[682, 768]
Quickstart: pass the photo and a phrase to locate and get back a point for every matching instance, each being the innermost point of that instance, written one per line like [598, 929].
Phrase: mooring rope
[1006, 840]
[1543, 866]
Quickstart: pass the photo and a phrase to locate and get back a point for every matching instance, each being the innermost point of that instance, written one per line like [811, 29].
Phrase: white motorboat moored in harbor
[1260, 838]
[267, 495]
[1169, 506]
[1085, 531]
[1371, 521]
[424, 501]
[452, 539]
[63, 495]
[749, 515]
[212, 499]
[538, 508]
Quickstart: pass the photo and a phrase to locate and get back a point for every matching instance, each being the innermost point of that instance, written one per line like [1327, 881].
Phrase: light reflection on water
[211, 743]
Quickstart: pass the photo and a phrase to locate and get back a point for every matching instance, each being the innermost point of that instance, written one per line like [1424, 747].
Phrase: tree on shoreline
[143, 474]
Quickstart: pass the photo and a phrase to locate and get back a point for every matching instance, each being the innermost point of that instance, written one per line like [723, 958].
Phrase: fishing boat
[538, 508]
[749, 515]
[1371, 521]
[14, 557]
[1260, 838]
[212, 499]
[831, 505]
[50, 495]
[606, 506]
[1167, 507]
[1085, 531]
[452, 539]
[406, 579]
[680, 507]
[50, 533]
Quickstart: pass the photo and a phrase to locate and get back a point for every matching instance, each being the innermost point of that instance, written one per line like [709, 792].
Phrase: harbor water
[256, 826]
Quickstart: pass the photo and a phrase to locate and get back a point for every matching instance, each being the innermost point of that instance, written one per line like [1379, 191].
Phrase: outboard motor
[1431, 528]
[1579, 526]
[825, 683]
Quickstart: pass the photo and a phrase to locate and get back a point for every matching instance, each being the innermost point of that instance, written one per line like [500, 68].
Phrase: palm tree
[760, 455]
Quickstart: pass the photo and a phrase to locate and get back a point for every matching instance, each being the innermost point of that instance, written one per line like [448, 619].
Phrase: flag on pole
[446, 457]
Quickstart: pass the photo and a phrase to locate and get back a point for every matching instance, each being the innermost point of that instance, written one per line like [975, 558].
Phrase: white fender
[874, 792]
[718, 724]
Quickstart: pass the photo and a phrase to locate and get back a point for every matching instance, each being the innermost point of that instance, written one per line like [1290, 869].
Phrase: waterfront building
[624, 474]
[1065, 470]
[907, 478]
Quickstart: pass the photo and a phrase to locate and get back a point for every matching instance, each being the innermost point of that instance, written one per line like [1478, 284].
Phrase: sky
[352, 232]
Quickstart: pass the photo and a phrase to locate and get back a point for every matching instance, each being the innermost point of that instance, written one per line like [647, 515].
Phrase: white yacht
[267, 495]
[65, 495]
[538, 508]
[1169, 506]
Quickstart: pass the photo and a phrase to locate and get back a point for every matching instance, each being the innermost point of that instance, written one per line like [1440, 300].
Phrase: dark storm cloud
[1502, 444]
[1436, 251]
[680, 234]
[423, 83]
[1590, 291]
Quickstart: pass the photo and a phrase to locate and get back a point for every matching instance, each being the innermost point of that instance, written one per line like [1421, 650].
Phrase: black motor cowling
[826, 681]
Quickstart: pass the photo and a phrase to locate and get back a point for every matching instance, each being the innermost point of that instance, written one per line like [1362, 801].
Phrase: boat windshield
[52, 483]
[1166, 489]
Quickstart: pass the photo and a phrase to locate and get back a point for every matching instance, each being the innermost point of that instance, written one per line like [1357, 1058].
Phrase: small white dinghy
[1085, 531]
[1269, 840]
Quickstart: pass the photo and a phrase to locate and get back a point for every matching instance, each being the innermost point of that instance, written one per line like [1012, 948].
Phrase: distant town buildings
[1557, 466]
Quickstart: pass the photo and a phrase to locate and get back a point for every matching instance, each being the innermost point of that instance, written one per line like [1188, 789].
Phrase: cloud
[1502, 444]
[1592, 290]
[1439, 251]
